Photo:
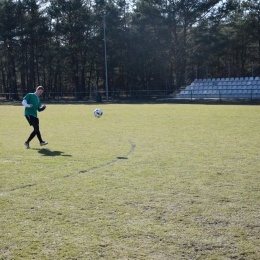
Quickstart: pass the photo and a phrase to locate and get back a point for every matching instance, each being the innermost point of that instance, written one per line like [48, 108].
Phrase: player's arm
[40, 109]
[24, 103]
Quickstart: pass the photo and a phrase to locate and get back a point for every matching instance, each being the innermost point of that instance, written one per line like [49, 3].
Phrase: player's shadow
[47, 152]
[121, 158]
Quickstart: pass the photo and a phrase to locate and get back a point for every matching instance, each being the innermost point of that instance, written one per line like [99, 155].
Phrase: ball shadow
[122, 158]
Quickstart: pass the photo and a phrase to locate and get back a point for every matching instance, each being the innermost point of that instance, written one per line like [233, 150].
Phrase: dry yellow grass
[145, 181]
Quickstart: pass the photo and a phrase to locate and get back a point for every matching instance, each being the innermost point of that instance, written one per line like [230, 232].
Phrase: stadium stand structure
[222, 88]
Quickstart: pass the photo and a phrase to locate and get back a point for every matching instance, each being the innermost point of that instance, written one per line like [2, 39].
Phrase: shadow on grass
[47, 152]
[122, 158]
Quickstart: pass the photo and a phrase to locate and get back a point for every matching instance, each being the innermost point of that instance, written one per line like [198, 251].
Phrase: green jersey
[31, 98]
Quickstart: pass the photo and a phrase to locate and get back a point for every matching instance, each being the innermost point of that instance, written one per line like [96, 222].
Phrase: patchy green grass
[145, 181]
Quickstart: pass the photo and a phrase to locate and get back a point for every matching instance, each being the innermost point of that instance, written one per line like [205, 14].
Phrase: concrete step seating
[229, 88]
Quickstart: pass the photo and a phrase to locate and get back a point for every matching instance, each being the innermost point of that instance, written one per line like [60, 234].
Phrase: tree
[72, 28]
[8, 25]
[252, 20]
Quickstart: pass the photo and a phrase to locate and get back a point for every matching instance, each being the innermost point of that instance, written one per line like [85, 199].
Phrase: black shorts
[32, 120]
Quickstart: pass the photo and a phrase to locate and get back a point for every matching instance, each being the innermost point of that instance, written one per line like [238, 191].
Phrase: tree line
[163, 44]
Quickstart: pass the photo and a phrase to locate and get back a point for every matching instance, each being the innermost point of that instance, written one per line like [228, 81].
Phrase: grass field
[145, 181]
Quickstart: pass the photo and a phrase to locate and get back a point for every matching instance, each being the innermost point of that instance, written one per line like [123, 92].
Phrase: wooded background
[151, 44]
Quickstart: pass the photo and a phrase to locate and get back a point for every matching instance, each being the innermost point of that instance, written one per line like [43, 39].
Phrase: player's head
[40, 87]
[39, 90]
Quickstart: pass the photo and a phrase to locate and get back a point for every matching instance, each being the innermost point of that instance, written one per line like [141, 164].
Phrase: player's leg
[32, 135]
[34, 121]
[37, 131]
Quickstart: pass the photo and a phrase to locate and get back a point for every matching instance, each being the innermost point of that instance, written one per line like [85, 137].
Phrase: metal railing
[151, 95]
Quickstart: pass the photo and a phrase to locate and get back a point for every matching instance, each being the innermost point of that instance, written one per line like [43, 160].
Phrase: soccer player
[33, 104]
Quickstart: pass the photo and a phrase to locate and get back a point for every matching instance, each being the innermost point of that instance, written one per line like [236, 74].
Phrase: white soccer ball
[98, 112]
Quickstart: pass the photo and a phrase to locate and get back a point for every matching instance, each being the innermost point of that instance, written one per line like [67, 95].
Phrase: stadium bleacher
[222, 88]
